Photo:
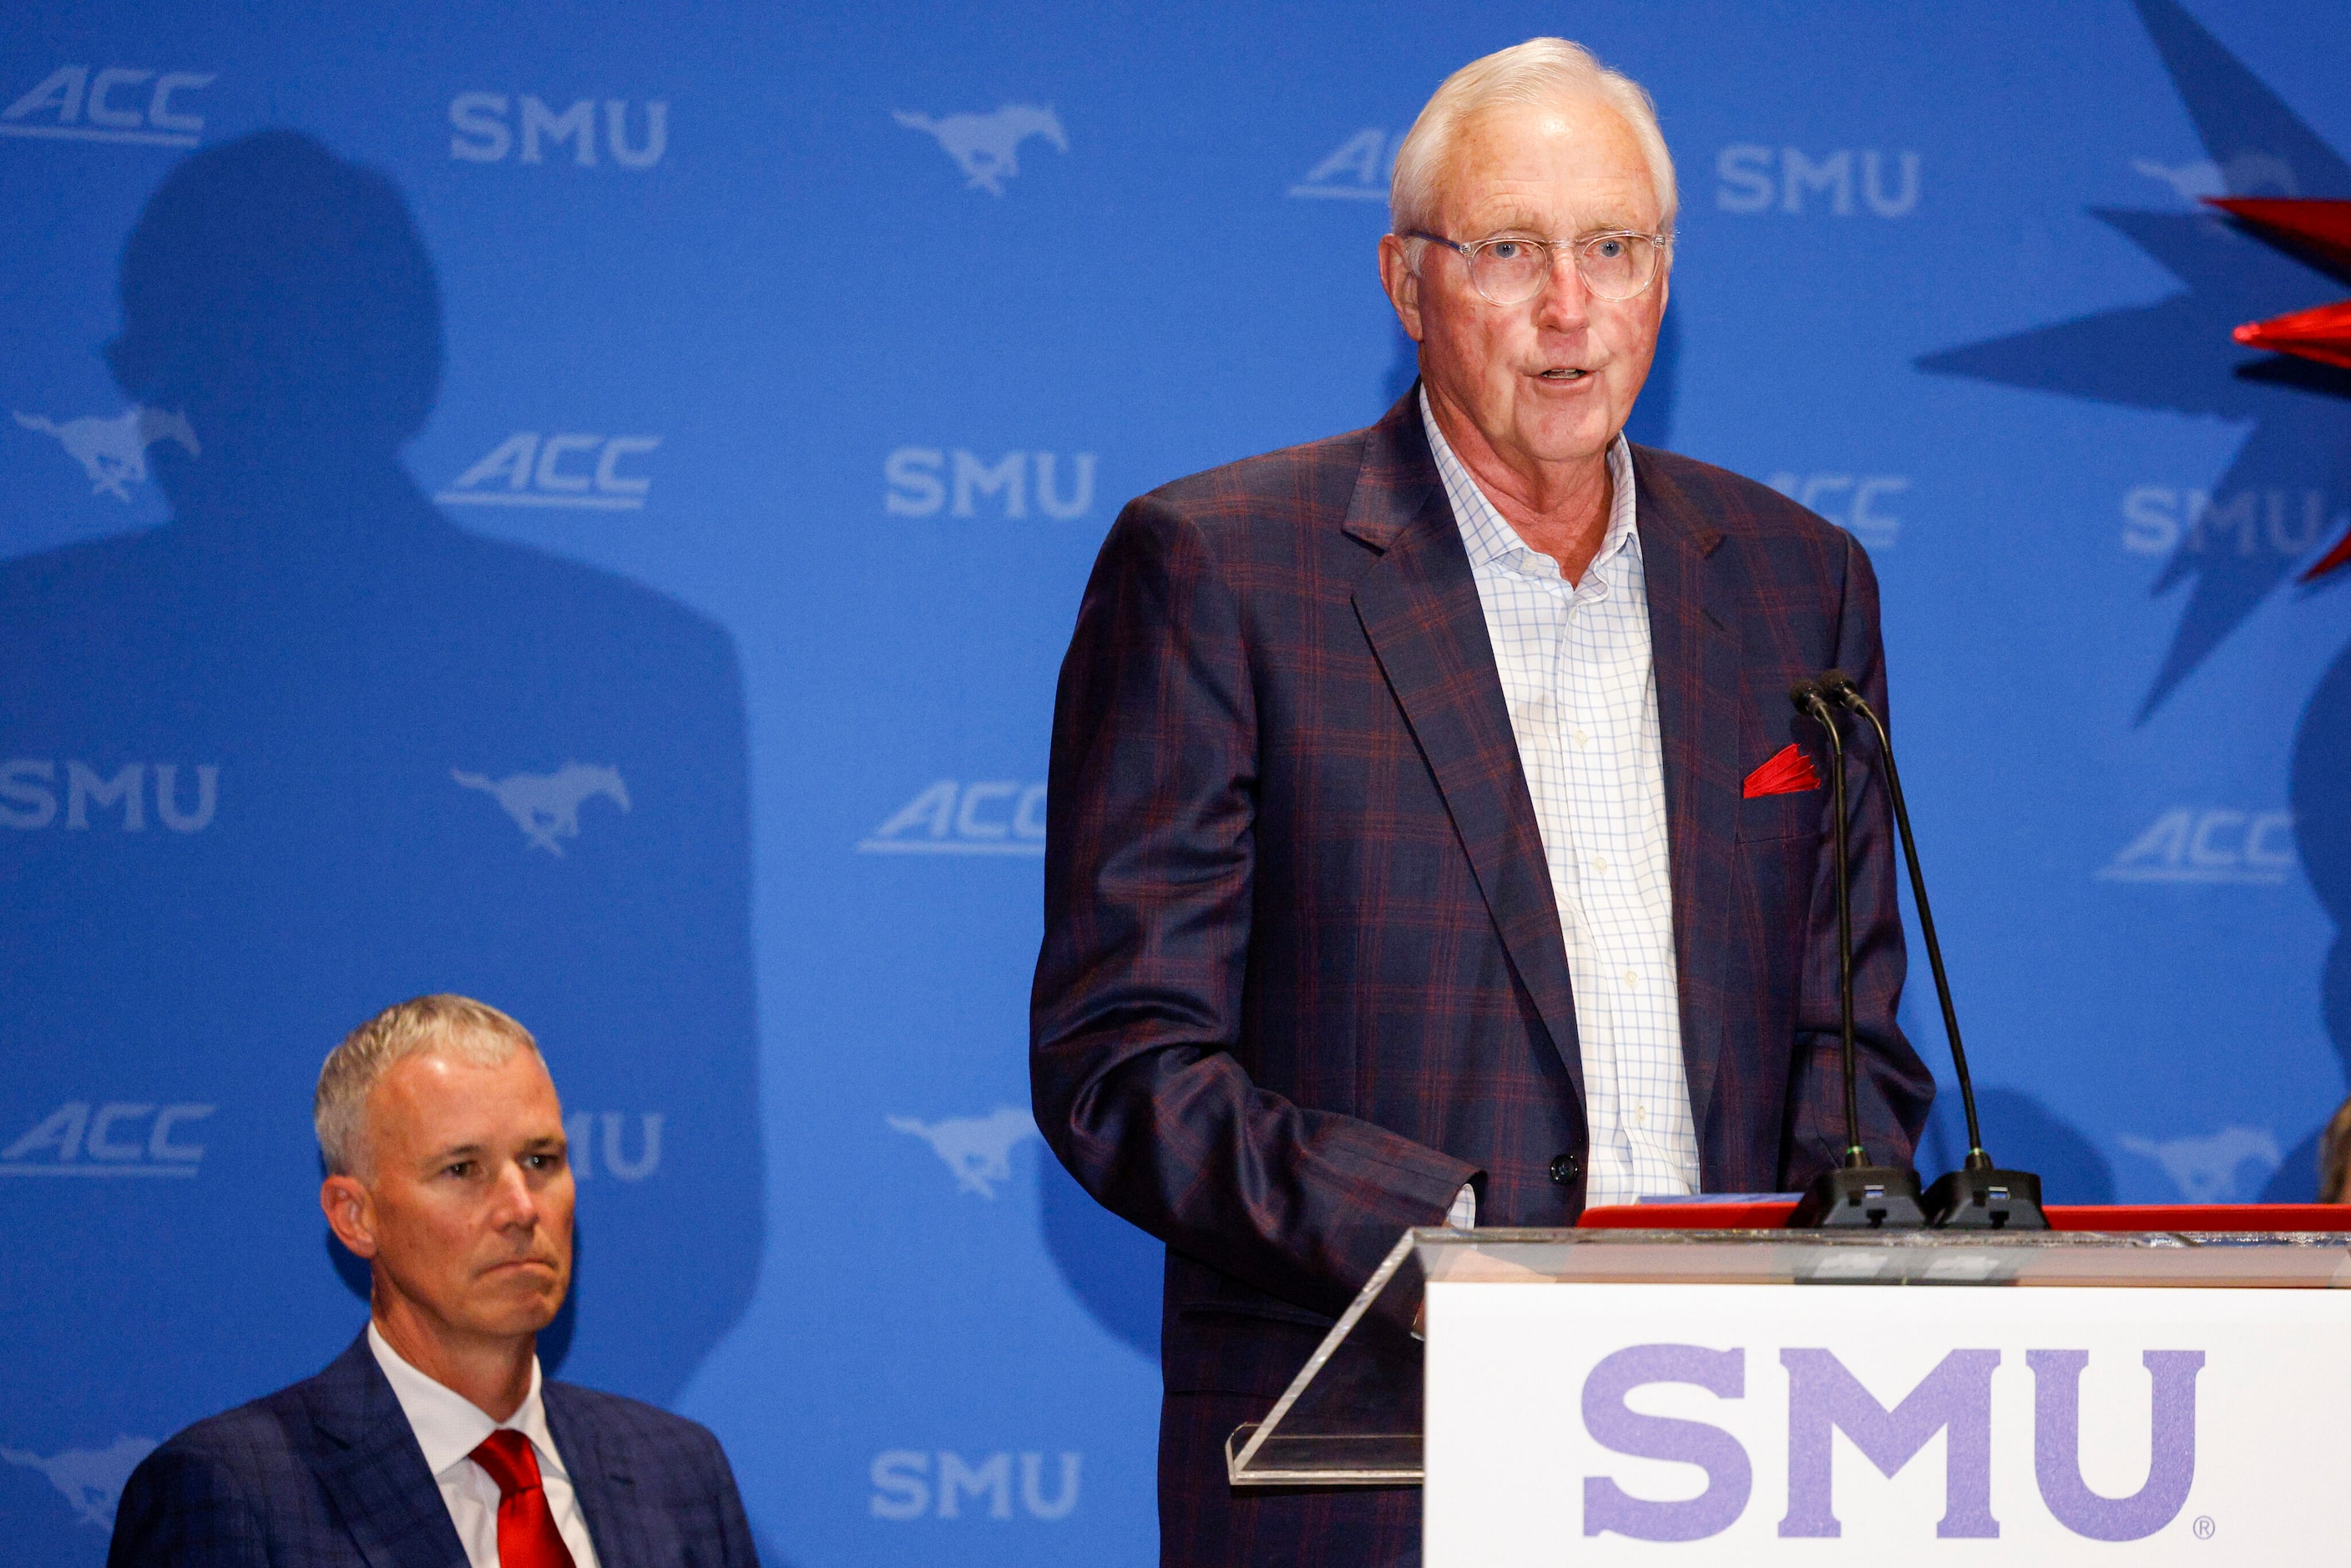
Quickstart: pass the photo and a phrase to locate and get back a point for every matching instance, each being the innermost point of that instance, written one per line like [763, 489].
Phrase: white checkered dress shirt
[1583, 696]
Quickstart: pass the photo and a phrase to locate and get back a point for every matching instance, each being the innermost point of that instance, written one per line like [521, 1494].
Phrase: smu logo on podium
[1954, 1401]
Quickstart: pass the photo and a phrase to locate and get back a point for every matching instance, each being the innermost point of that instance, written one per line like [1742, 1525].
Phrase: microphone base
[1986, 1200]
[1861, 1197]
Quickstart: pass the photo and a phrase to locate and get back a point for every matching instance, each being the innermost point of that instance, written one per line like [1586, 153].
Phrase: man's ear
[350, 1214]
[1402, 283]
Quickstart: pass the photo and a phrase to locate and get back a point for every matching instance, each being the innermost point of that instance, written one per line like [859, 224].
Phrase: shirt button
[1581, 741]
[1599, 862]
[1565, 1169]
[1632, 977]
[1640, 1115]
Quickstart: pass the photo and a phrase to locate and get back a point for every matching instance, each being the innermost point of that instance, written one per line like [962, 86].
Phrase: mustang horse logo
[546, 806]
[113, 451]
[91, 1479]
[2205, 1169]
[977, 1149]
[986, 147]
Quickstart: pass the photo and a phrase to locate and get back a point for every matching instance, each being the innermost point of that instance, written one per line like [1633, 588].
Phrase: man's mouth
[1564, 373]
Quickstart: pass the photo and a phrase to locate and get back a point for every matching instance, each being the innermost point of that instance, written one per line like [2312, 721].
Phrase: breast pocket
[1799, 814]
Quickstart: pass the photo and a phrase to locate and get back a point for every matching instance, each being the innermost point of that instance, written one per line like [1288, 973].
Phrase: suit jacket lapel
[1696, 659]
[599, 1477]
[1419, 607]
[367, 1459]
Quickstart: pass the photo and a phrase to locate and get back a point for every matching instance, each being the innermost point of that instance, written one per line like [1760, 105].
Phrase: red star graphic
[2322, 230]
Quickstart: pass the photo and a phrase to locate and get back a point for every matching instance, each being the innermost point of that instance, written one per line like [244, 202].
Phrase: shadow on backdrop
[1113, 1268]
[2023, 1135]
[309, 750]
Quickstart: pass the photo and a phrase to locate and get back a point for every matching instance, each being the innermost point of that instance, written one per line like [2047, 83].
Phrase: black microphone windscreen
[1804, 693]
[1836, 682]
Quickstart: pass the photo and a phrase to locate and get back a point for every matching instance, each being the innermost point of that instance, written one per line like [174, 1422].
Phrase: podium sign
[1769, 1397]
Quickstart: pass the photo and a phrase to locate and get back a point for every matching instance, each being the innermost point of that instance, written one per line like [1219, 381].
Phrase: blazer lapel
[1696, 659]
[599, 1478]
[1419, 607]
[369, 1462]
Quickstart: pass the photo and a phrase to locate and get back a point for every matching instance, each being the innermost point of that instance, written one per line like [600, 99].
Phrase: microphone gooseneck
[1839, 687]
[1809, 700]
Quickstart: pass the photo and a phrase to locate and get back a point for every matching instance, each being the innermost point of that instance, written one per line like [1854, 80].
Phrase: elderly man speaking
[433, 1442]
[1412, 857]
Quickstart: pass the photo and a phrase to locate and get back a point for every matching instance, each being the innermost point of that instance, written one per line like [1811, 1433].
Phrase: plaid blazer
[1302, 974]
[328, 1473]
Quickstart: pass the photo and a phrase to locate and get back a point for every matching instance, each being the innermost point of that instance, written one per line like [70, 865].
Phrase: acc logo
[2158, 520]
[986, 147]
[902, 1488]
[108, 107]
[1358, 171]
[1819, 492]
[977, 1149]
[1752, 178]
[556, 472]
[578, 1127]
[993, 817]
[28, 796]
[546, 806]
[120, 1138]
[917, 489]
[90, 1480]
[2189, 845]
[484, 135]
[2205, 1169]
[113, 451]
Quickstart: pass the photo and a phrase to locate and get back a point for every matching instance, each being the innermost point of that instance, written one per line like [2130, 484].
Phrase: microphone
[1979, 1196]
[1855, 1195]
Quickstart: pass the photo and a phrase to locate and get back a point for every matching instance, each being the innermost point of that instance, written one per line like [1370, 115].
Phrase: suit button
[1565, 1169]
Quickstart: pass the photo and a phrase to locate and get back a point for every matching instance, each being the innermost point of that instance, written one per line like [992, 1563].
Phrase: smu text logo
[1852, 501]
[924, 479]
[546, 806]
[992, 817]
[114, 105]
[29, 795]
[566, 469]
[2187, 844]
[90, 1480]
[487, 133]
[113, 451]
[977, 1149]
[1357, 170]
[1754, 178]
[1825, 1398]
[986, 147]
[903, 1485]
[2158, 520]
[579, 1134]
[119, 1138]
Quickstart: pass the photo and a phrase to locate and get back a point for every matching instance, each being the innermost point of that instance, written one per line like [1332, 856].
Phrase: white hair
[457, 1027]
[1540, 72]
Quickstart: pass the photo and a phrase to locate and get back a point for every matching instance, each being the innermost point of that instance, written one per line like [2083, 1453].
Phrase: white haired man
[433, 1438]
[1432, 835]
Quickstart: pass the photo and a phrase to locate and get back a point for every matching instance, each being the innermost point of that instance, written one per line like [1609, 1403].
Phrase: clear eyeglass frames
[1511, 269]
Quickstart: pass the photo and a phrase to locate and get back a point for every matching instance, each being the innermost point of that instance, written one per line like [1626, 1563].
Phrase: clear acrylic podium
[2250, 1328]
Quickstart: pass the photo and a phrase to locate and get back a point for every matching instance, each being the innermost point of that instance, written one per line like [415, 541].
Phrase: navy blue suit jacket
[327, 1472]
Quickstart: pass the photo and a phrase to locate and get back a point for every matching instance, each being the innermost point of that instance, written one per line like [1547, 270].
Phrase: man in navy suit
[433, 1442]
[1432, 838]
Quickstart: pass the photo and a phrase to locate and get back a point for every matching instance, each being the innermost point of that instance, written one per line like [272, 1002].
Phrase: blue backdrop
[584, 508]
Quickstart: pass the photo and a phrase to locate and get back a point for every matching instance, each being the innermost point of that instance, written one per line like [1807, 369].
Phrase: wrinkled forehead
[469, 1088]
[1574, 167]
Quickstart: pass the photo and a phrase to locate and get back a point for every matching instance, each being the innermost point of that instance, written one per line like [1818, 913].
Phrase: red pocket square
[1788, 773]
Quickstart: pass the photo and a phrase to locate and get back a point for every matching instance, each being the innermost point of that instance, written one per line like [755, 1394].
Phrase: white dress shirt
[1574, 661]
[449, 1428]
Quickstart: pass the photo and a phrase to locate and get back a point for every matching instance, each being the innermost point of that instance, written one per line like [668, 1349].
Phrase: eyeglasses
[1512, 270]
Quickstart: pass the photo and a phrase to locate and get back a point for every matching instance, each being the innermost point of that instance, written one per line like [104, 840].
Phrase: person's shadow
[309, 750]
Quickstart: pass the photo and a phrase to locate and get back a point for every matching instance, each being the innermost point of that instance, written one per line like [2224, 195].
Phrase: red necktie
[527, 1534]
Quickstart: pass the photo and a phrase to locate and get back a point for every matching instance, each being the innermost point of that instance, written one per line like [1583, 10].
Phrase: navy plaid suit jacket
[1302, 974]
[327, 1472]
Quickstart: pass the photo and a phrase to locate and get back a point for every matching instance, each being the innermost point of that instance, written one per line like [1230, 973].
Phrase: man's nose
[514, 1202]
[1565, 303]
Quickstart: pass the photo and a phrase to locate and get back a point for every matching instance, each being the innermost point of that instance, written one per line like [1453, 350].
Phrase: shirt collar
[448, 1425]
[1489, 535]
